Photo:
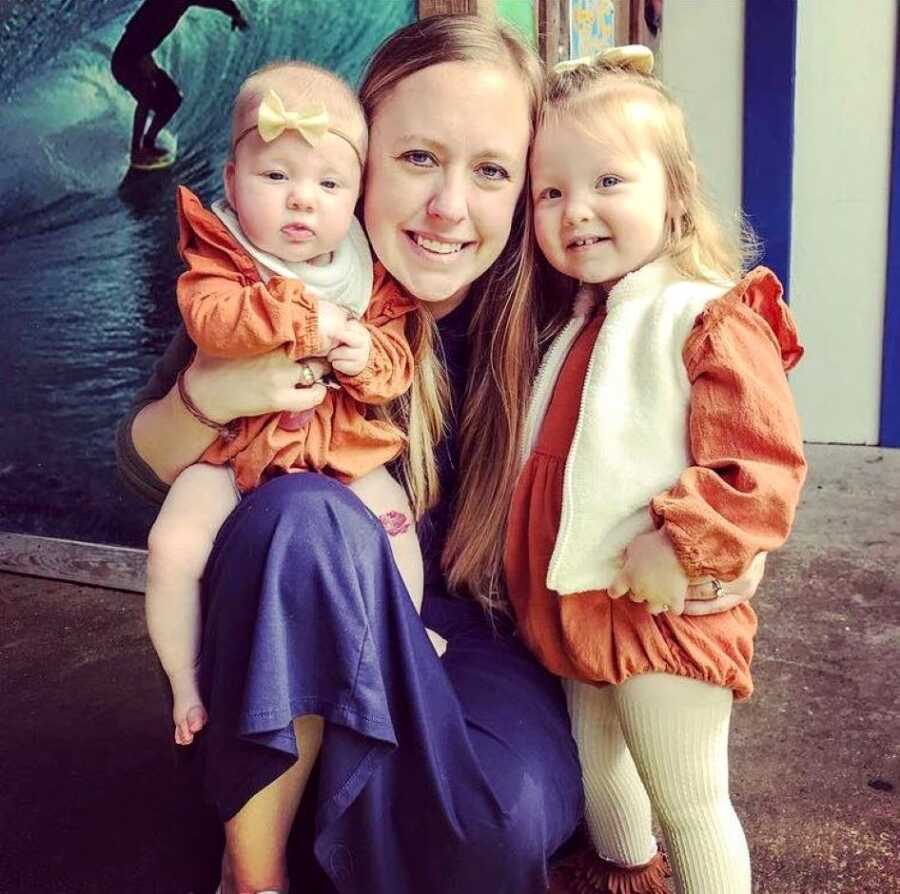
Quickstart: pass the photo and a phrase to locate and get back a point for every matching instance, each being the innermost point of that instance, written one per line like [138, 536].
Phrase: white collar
[346, 280]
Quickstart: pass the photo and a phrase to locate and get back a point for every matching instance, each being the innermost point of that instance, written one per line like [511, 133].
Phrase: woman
[456, 774]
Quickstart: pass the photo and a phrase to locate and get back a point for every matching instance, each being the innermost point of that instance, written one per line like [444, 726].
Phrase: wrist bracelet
[227, 431]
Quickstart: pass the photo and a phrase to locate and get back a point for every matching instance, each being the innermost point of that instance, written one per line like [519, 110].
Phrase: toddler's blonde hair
[299, 83]
[700, 245]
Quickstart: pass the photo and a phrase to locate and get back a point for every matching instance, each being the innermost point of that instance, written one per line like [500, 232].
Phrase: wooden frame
[447, 7]
[98, 564]
[553, 30]
[552, 18]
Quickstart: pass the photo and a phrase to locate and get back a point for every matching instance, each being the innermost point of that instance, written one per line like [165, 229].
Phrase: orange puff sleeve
[739, 497]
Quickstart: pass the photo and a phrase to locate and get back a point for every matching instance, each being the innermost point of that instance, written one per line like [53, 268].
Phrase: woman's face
[447, 161]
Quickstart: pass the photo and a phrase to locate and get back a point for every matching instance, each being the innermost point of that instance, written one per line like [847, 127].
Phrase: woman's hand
[168, 437]
[224, 390]
[702, 598]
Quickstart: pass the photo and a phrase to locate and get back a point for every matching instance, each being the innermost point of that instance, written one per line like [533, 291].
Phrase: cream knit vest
[631, 440]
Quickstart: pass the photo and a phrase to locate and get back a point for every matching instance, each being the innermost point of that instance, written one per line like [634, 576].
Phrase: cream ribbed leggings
[661, 740]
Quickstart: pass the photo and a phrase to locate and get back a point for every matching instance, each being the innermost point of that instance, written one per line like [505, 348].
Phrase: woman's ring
[718, 589]
[307, 376]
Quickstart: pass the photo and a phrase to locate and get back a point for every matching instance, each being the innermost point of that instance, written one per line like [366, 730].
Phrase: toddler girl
[662, 446]
[282, 263]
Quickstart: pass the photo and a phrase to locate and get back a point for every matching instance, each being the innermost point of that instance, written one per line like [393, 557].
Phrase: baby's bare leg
[387, 500]
[180, 541]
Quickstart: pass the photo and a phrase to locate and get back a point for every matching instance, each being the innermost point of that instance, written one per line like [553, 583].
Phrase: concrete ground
[94, 800]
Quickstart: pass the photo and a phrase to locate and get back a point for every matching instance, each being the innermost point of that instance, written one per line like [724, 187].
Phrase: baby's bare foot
[188, 711]
[193, 721]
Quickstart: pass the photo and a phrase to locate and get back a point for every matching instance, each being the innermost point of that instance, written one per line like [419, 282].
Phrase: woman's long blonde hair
[503, 334]
[700, 245]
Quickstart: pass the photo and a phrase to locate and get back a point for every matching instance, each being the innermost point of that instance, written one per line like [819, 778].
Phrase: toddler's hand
[652, 574]
[332, 320]
[352, 354]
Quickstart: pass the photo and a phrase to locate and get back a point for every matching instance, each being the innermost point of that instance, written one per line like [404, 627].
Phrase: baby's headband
[311, 122]
[634, 58]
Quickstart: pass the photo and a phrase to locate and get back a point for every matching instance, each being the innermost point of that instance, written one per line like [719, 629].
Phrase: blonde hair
[503, 333]
[299, 82]
[697, 241]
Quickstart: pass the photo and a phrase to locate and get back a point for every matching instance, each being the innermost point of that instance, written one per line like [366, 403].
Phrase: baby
[283, 263]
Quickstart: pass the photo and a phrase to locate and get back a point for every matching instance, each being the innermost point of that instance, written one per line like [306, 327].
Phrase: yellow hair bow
[635, 57]
[311, 122]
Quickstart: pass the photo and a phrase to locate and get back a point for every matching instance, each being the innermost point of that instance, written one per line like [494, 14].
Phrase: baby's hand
[652, 574]
[352, 354]
[332, 320]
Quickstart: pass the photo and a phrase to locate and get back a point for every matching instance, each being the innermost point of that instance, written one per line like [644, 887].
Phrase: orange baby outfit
[229, 312]
[737, 500]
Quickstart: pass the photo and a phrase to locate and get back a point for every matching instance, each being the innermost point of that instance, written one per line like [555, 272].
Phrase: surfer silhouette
[133, 66]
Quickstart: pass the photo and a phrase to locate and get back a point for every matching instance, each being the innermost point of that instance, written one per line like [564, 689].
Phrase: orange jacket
[229, 312]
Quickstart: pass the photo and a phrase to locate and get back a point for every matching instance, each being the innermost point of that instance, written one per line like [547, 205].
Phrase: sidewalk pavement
[95, 800]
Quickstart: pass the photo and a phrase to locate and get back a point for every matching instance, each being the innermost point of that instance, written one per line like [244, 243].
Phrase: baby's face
[293, 201]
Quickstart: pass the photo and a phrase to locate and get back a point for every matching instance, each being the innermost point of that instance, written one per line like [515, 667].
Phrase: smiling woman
[442, 193]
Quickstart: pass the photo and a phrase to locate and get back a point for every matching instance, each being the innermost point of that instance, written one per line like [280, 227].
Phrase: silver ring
[718, 589]
[307, 376]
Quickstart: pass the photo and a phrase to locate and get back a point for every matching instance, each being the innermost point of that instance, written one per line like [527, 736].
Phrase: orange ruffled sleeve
[227, 311]
[740, 496]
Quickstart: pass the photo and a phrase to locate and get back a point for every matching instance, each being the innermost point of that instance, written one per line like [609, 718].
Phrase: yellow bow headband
[311, 122]
[635, 58]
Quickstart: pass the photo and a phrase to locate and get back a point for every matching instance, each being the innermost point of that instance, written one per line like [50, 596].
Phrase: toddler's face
[292, 200]
[600, 201]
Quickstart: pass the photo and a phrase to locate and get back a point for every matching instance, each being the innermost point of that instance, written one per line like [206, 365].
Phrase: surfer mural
[91, 241]
[156, 94]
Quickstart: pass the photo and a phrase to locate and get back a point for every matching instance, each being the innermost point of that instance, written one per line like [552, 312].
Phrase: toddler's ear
[228, 180]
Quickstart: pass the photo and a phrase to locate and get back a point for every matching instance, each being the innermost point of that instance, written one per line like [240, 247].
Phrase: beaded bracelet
[227, 431]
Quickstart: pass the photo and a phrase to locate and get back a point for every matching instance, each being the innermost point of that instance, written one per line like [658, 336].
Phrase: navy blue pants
[435, 775]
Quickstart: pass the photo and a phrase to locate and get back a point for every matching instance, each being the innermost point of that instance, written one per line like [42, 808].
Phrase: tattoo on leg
[395, 523]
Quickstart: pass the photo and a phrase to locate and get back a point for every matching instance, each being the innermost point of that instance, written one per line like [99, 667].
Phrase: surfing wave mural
[87, 248]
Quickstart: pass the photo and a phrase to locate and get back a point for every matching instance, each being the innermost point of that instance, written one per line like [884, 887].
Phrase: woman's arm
[167, 437]
[141, 448]
[158, 438]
